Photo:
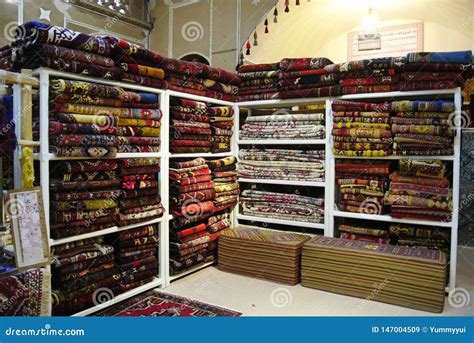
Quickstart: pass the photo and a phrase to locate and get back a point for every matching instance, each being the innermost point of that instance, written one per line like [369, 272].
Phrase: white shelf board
[281, 141]
[201, 154]
[192, 270]
[388, 218]
[423, 93]
[199, 98]
[113, 229]
[121, 297]
[61, 74]
[399, 157]
[281, 102]
[52, 157]
[284, 182]
[281, 221]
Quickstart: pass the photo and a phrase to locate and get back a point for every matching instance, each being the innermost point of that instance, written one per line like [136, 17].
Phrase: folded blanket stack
[265, 254]
[45, 45]
[84, 272]
[283, 124]
[420, 236]
[361, 129]
[140, 198]
[419, 189]
[403, 276]
[222, 123]
[373, 233]
[224, 176]
[93, 120]
[136, 253]
[84, 197]
[285, 206]
[370, 75]
[361, 185]
[282, 164]
[190, 126]
[435, 70]
[259, 81]
[422, 127]
[200, 79]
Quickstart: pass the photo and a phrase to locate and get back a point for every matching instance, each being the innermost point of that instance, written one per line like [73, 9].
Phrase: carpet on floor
[158, 304]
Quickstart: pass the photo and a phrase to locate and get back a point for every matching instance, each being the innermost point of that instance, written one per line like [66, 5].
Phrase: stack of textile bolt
[361, 129]
[369, 76]
[84, 197]
[435, 70]
[200, 79]
[283, 124]
[44, 45]
[361, 185]
[282, 164]
[372, 233]
[224, 176]
[259, 81]
[284, 206]
[97, 120]
[419, 189]
[136, 254]
[190, 128]
[140, 200]
[423, 127]
[222, 123]
[79, 269]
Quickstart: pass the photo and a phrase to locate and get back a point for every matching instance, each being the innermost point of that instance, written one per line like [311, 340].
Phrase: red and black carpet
[156, 304]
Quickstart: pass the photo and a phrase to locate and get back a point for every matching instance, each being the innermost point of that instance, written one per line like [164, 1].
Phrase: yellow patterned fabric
[28, 172]
[156, 73]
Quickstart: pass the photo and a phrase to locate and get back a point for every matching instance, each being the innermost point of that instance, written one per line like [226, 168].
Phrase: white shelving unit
[45, 157]
[321, 144]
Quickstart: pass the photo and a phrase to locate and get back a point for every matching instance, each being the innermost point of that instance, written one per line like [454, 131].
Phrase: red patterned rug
[156, 304]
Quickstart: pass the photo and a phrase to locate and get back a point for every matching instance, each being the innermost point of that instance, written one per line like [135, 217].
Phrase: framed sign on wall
[388, 41]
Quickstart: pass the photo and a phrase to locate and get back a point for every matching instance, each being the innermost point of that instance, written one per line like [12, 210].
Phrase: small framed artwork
[25, 211]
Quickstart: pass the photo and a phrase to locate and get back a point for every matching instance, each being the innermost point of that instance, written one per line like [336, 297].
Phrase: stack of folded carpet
[268, 124]
[226, 187]
[215, 225]
[84, 197]
[79, 269]
[259, 81]
[200, 79]
[422, 127]
[282, 164]
[6, 57]
[284, 206]
[403, 276]
[435, 70]
[222, 123]
[190, 130]
[44, 45]
[361, 129]
[373, 233]
[370, 75]
[266, 254]
[140, 198]
[144, 75]
[421, 236]
[420, 190]
[89, 119]
[361, 185]
[136, 254]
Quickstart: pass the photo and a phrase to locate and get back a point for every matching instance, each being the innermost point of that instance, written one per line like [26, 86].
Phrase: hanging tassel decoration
[255, 42]
[266, 25]
[248, 46]
[275, 15]
[297, 2]
[287, 6]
